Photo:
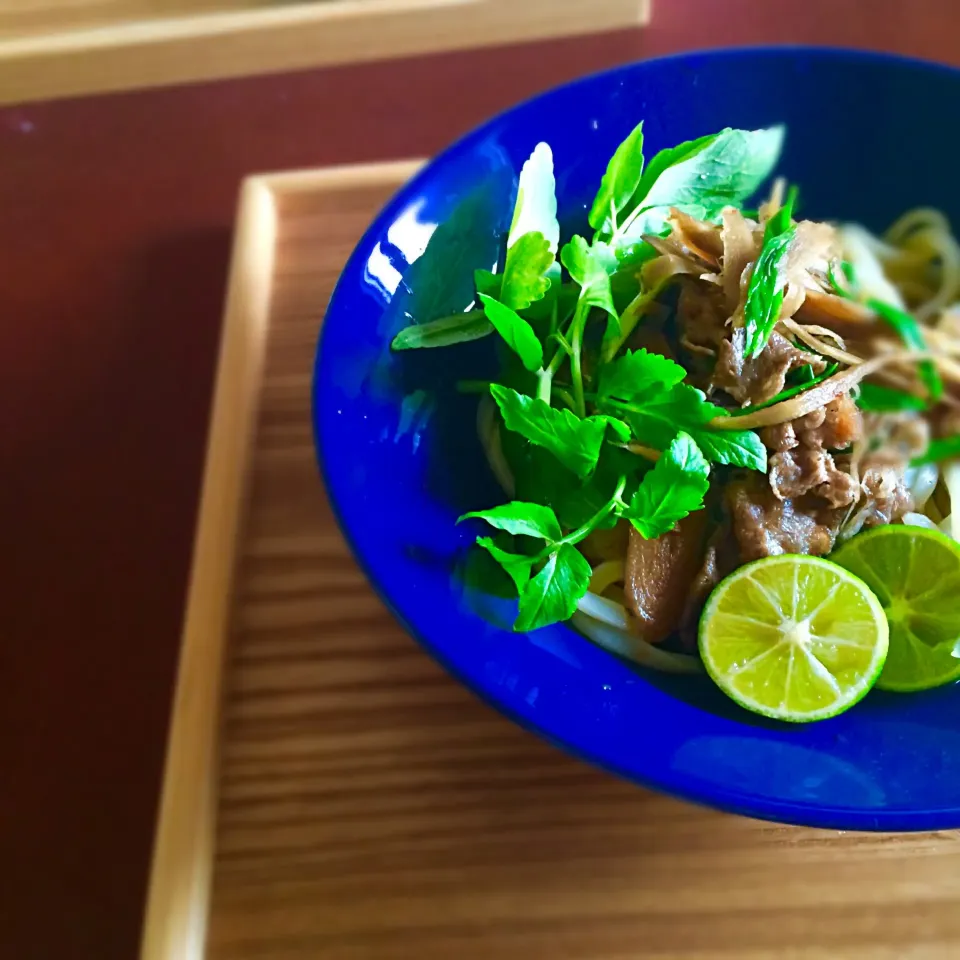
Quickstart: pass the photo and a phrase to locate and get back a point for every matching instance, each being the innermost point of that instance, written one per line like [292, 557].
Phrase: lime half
[915, 574]
[793, 637]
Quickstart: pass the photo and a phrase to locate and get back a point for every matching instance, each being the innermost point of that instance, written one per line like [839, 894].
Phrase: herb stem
[585, 529]
[576, 345]
[544, 385]
[627, 224]
[628, 322]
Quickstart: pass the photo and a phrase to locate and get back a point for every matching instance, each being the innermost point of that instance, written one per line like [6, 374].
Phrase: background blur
[125, 130]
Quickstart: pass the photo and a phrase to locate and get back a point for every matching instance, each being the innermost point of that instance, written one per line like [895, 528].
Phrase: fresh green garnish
[945, 449]
[574, 442]
[901, 321]
[878, 399]
[699, 177]
[635, 371]
[459, 328]
[593, 433]
[761, 308]
[525, 271]
[909, 331]
[674, 488]
[656, 414]
[516, 332]
[619, 183]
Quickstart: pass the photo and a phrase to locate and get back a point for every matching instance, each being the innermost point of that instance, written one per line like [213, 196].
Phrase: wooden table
[115, 216]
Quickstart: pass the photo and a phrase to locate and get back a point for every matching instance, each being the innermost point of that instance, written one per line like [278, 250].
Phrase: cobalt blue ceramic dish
[868, 136]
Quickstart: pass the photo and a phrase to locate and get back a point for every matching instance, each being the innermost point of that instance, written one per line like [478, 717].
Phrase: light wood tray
[365, 807]
[60, 48]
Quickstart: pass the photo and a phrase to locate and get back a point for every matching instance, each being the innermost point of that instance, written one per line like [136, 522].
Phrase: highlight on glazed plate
[728, 438]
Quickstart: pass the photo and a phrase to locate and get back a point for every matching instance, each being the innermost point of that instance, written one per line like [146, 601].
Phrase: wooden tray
[57, 48]
[369, 808]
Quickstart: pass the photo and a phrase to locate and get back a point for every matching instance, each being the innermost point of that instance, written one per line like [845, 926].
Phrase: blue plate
[868, 136]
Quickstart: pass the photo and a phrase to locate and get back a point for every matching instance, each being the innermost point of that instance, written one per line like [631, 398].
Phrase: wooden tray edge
[295, 36]
[180, 875]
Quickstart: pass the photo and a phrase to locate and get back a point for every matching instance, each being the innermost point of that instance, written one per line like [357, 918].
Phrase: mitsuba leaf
[761, 309]
[521, 519]
[674, 488]
[879, 399]
[574, 442]
[700, 178]
[909, 331]
[656, 417]
[591, 267]
[947, 448]
[458, 328]
[637, 372]
[517, 566]
[552, 595]
[619, 183]
[516, 332]
[440, 281]
[488, 283]
[524, 278]
[535, 210]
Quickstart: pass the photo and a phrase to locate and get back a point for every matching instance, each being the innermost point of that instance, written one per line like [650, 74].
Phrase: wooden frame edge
[291, 37]
[181, 871]
[178, 894]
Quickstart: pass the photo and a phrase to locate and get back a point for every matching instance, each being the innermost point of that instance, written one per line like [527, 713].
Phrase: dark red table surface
[115, 220]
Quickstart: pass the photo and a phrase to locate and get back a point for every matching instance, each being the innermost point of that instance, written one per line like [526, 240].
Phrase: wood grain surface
[369, 807]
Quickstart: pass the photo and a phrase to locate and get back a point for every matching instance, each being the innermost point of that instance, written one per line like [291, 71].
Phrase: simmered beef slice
[756, 380]
[766, 526]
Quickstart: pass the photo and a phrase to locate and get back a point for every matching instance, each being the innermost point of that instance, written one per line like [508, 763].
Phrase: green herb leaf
[488, 283]
[524, 280]
[909, 331]
[574, 442]
[516, 332]
[636, 372]
[944, 449]
[521, 519]
[591, 267]
[552, 595]
[516, 565]
[619, 183]
[656, 417]
[439, 282]
[700, 177]
[619, 429]
[458, 328]
[878, 399]
[761, 307]
[737, 448]
[674, 488]
[536, 208]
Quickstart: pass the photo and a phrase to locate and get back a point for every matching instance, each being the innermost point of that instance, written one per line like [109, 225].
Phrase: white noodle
[951, 477]
[604, 610]
[605, 575]
[922, 481]
[858, 248]
[918, 520]
[633, 648]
